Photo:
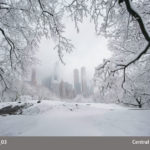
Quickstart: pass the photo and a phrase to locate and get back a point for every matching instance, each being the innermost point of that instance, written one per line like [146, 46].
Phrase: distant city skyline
[89, 51]
[62, 89]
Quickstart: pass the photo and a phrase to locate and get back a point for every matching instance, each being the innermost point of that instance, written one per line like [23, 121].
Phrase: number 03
[3, 142]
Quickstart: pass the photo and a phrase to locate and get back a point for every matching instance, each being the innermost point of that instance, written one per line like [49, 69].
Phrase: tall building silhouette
[62, 92]
[33, 77]
[77, 86]
[84, 82]
[56, 71]
[55, 79]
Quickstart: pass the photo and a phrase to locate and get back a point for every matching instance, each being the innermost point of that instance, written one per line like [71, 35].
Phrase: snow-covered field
[54, 118]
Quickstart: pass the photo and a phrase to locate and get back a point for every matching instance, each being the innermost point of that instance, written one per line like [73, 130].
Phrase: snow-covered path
[76, 119]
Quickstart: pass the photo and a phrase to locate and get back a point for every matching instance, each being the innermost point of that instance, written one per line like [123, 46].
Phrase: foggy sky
[89, 51]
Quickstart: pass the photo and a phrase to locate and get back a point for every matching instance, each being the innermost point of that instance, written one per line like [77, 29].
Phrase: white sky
[90, 50]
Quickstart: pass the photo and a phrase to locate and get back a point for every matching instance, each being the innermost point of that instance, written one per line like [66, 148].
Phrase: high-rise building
[56, 71]
[65, 90]
[77, 86]
[84, 82]
[62, 92]
[69, 90]
[33, 77]
[47, 82]
[55, 80]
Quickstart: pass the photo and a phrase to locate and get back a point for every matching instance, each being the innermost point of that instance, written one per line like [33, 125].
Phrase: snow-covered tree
[126, 23]
[130, 42]
[22, 24]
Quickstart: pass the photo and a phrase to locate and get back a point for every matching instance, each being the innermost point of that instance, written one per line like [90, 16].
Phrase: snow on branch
[138, 18]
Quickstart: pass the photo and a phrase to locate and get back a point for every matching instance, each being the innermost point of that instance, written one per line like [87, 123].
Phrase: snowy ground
[54, 118]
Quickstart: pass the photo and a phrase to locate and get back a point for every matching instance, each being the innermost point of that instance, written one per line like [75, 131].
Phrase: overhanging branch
[138, 18]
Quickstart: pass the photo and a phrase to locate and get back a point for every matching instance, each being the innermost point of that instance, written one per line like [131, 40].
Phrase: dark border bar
[74, 143]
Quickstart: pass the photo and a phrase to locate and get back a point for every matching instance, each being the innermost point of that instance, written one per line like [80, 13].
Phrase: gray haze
[89, 52]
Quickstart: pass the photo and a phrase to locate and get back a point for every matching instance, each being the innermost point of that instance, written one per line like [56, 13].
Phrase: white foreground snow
[52, 118]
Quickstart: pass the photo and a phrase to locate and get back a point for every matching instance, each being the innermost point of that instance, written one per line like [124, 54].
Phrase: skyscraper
[62, 92]
[56, 71]
[77, 86]
[33, 77]
[55, 79]
[84, 82]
